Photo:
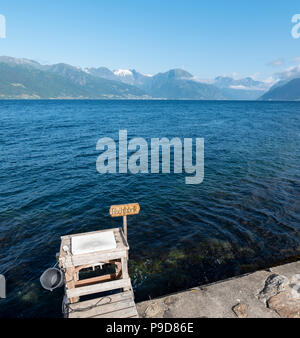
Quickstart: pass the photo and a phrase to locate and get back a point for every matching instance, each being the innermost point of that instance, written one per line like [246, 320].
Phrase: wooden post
[70, 275]
[124, 210]
[125, 226]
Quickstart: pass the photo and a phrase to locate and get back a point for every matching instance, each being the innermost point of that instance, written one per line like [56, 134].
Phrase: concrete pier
[271, 293]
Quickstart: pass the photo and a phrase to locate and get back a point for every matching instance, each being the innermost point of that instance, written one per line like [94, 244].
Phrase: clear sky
[207, 38]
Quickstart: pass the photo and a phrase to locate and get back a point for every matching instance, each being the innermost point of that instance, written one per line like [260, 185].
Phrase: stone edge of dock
[271, 293]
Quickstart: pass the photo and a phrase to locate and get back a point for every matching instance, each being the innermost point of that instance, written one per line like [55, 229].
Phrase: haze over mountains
[27, 79]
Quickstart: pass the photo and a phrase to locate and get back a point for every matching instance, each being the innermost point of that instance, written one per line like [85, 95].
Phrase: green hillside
[21, 81]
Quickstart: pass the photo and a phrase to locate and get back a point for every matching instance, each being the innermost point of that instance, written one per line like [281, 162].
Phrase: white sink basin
[93, 243]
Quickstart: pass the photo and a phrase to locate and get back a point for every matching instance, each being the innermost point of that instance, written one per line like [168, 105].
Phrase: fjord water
[244, 216]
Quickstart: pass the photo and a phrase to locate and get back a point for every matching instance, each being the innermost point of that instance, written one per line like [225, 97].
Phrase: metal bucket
[52, 279]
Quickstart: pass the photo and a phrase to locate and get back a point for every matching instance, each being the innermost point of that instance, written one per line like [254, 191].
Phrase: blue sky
[207, 38]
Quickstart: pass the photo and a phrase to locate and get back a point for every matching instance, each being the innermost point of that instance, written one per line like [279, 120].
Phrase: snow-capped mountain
[123, 72]
[131, 76]
[124, 75]
[128, 76]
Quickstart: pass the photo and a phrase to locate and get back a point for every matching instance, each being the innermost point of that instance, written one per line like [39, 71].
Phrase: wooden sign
[124, 210]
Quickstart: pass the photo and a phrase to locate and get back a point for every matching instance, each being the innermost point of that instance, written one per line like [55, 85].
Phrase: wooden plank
[125, 313]
[92, 258]
[119, 248]
[114, 302]
[116, 262]
[70, 282]
[87, 290]
[102, 310]
[124, 267]
[120, 237]
[98, 279]
[90, 233]
[111, 298]
[65, 241]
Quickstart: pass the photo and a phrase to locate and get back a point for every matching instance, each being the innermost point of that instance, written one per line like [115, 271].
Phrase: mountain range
[28, 79]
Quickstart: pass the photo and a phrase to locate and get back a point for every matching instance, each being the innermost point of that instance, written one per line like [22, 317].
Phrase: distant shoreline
[140, 99]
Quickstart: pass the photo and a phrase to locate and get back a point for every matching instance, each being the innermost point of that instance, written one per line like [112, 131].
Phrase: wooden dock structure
[114, 297]
[120, 305]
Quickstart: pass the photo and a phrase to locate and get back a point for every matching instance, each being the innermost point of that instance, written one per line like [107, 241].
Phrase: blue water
[244, 216]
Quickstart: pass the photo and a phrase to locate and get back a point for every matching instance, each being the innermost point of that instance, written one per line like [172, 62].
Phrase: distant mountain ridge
[246, 83]
[23, 78]
[29, 80]
[284, 91]
[179, 84]
[241, 89]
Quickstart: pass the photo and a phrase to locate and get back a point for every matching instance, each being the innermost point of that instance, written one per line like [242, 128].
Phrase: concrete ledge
[253, 296]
